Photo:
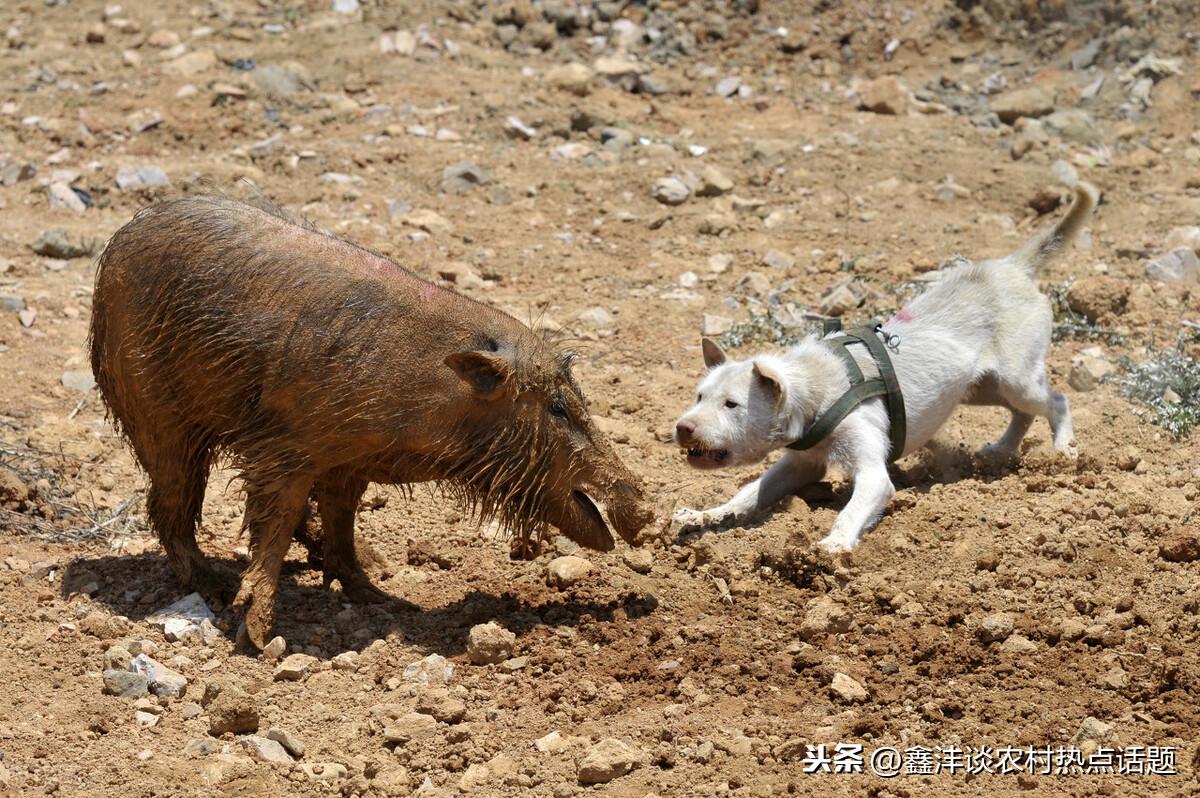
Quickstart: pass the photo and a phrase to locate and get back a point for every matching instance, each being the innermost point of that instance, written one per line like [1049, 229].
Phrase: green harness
[861, 389]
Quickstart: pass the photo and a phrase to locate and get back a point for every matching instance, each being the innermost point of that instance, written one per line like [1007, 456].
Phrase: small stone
[515, 664]
[1093, 730]
[1182, 545]
[575, 78]
[266, 750]
[409, 727]
[727, 87]
[824, 616]
[713, 325]
[117, 658]
[671, 191]
[199, 747]
[552, 743]
[489, 643]
[294, 668]
[163, 681]
[274, 649]
[596, 317]
[329, 772]
[462, 177]
[1032, 101]
[186, 66]
[778, 260]
[713, 183]
[181, 621]
[56, 242]
[444, 709]
[427, 220]
[81, 380]
[125, 684]
[142, 120]
[847, 689]
[346, 661]
[12, 303]
[840, 300]
[1183, 238]
[607, 760]
[885, 95]
[145, 719]
[433, 669]
[61, 195]
[995, 628]
[232, 711]
[563, 572]
[1075, 125]
[518, 129]
[1019, 644]
[1178, 265]
[131, 177]
[293, 744]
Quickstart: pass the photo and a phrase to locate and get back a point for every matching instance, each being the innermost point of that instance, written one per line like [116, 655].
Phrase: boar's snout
[629, 510]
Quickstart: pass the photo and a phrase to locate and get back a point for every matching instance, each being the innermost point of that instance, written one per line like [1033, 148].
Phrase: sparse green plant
[765, 328]
[1168, 384]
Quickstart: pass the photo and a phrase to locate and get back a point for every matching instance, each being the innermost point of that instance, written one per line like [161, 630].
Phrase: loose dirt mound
[622, 174]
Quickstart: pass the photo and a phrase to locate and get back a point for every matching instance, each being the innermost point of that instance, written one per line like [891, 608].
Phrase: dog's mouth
[701, 457]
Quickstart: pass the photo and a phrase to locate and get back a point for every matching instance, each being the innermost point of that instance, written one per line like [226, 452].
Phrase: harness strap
[861, 389]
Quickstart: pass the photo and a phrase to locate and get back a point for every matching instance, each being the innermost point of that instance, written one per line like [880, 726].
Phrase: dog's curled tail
[1042, 248]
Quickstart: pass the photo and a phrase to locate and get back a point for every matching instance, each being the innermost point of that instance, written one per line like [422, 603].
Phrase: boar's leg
[272, 513]
[178, 465]
[338, 495]
[308, 534]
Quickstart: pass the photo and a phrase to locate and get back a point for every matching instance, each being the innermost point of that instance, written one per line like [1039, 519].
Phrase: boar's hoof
[217, 585]
[258, 615]
[356, 585]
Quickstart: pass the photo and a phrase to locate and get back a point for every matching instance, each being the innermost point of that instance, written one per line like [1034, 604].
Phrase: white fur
[980, 335]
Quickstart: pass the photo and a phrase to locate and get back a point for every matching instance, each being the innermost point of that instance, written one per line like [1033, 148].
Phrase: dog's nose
[684, 431]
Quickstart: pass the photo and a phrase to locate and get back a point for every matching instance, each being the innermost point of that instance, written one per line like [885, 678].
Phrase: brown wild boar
[317, 366]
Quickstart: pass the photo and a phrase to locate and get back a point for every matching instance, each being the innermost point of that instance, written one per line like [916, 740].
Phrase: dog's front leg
[783, 479]
[872, 491]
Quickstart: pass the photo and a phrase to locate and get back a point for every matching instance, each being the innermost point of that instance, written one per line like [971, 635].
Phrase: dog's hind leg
[987, 392]
[1033, 396]
[783, 479]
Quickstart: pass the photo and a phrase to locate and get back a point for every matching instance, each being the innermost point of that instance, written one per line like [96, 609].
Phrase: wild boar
[221, 328]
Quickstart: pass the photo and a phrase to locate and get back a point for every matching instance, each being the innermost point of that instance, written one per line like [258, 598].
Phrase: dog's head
[741, 411]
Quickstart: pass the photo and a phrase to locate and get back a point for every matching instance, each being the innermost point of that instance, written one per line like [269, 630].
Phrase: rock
[596, 317]
[1093, 730]
[263, 749]
[294, 668]
[117, 658]
[713, 325]
[575, 78]
[552, 743]
[274, 649]
[427, 220]
[328, 772]
[61, 195]
[199, 747]
[824, 616]
[56, 242]
[181, 621]
[713, 183]
[840, 299]
[847, 690]
[145, 719]
[439, 704]
[1019, 644]
[1085, 56]
[131, 177]
[462, 177]
[282, 81]
[191, 64]
[81, 380]
[345, 6]
[614, 67]
[433, 669]
[607, 760]
[616, 139]
[563, 572]
[489, 643]
[125, 684]
[1087, 371]
[518, 129]
[291, 743]
[232, 711]
[163, 681]
[1183, 238]
[12, 303]
[995, 628]
[1032, 101]
[1074, 125]
[886, 95]
[1178, 265]
[1098, 297]
[778, 260]
[515, 664]
[143, 119]
[409, 727]
[670, 191]
[1182, 545]
[346, 661]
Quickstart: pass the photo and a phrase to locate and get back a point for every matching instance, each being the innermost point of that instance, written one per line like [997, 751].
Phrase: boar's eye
[730, 404]
[699, 398]
[558, 407]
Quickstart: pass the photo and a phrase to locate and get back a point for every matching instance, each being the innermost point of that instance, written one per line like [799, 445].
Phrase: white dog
[980, 335]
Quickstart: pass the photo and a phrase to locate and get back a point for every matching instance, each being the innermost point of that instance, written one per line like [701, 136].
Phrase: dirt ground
[1085, 570]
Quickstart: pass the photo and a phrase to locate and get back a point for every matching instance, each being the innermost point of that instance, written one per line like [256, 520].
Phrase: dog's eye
[699, 398]
[558, 407]
[730, 404]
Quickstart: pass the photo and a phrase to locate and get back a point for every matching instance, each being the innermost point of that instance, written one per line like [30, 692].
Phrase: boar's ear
[485, 372]
[714, 355]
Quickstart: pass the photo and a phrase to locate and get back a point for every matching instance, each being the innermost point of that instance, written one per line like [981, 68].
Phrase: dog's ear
[714, 355]
[771, 379]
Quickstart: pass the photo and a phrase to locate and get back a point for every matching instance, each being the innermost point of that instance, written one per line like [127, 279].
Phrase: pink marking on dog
[903, 314]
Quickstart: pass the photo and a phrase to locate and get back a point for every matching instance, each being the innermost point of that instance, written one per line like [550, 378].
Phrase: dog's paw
[835, 544]
[1068, 450]
[994, 452]
[686, 516]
